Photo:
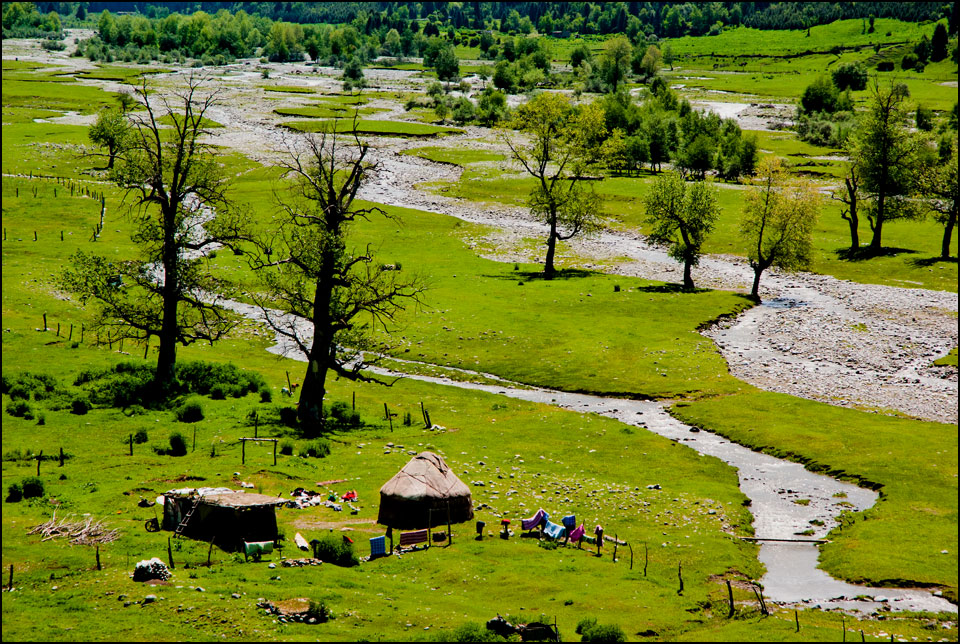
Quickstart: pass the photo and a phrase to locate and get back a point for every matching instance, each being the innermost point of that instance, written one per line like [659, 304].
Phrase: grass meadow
[478, 314]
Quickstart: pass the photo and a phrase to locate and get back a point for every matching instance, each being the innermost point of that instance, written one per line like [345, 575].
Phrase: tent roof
[427, 475]
[227, 498]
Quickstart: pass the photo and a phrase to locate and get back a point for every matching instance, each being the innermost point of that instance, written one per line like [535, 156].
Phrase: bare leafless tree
[330, 296]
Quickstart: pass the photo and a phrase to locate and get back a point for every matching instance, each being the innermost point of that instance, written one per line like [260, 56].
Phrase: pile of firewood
[81, 533]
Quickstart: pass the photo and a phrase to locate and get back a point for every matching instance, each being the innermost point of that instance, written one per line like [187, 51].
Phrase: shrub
[288, 416]
[343, 417]
[909, 61]
[32, 487]
[316, 449]
[319, 612]
[591, 631]
[140, 437]
[219, 391]
[14, 493]
[20, 409]
[80, 404]
[190, 411]
[266, 396]
[178, 444]
[850, 76]
[333, 549]
[885, 66]
[41, 419]
[286, 448]
[473, 632]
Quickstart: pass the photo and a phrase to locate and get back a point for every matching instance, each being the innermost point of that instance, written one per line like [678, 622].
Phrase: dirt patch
[310, 524]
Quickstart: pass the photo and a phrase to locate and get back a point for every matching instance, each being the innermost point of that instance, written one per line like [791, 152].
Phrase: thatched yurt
[425, 483]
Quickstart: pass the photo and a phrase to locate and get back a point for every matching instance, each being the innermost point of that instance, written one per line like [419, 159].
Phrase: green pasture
[458, 156]
[324, 111]
[373, 128]
[918, 488]
[290, 89]
[583, 331]
[912, 259]
[121, 74]
[745, 41]
[948, 360]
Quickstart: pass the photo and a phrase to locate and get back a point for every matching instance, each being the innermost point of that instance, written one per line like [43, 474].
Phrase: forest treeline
[663, 19]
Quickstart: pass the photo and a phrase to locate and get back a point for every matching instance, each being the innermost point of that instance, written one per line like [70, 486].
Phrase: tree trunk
[313, 390]
[548, 268]
[167, 352]
[687, 278]
[948, 235]
[757, 272]
[876, 242]
[852, 218]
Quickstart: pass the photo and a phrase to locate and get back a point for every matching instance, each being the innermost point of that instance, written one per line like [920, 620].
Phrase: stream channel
[771, 484]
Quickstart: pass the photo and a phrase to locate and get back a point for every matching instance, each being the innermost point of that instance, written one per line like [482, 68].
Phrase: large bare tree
[330, 297]
[175, 193]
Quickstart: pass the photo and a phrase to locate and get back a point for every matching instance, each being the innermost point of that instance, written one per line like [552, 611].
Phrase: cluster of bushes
[22, 20]
[660, 129]
[336, 550]
[490, 108]
[28, 488]
[132, 383]
[590, 631]
[825, 115]
[337, 417]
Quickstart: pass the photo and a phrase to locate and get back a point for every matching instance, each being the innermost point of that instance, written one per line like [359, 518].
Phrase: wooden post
[70, 337]
[862, 636]
[429, 526]
[680, 576]
[386, 413]
[843, 626]
[796, 617]
[61, 457]
[289, 386]
[256, 424]
[759, 594]
[616, 541]
[631, 555]
[274, 453]
[449, 529]
[39, 458]
[243, 451]
[61, 235]
[146, 348]
[354, 401]
[194, 439]
[98, 558]
[81, 333]
[10, 583]
[131, 444]
[730, 598]
[170, 553]
[44, 321]
[423, 410]
[210, 551]
[646, 558]
[34, 235]
[58, 329]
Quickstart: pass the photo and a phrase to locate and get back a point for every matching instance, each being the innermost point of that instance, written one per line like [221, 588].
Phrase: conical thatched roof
[425, 483]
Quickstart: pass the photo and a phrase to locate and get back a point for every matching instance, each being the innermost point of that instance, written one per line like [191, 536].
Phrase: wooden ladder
[186, 518]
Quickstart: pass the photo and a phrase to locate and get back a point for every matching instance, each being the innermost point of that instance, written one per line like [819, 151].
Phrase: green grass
[375, 128]
[913, 263]
[918, 487]
[949, 360]
[325, 111]
[744, 41]
[59, 96]
[122, 74]
[457, 156]
[290, 89]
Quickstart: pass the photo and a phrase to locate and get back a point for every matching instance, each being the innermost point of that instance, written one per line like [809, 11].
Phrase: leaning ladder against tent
[186, 518]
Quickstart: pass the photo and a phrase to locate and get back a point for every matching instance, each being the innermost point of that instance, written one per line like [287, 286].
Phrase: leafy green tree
[819, 96]
[650, 63]
[938, 45]
[447, 65]
[563, 141]
[339, 295]
[178, 201]
[778, 220]
[939, 185]
[615, 60]
[580, 54]
[110, 131]
[924, 118]
[892, 160]
[850, 76]
[668, 57]
[682, 216]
